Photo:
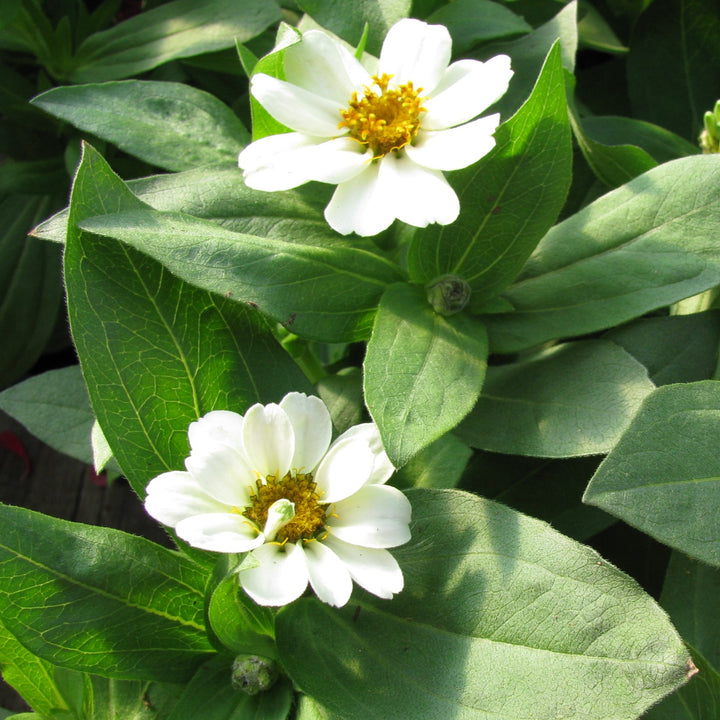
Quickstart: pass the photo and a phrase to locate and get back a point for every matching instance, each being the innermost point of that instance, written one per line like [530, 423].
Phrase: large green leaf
[663, 477]
[174, 30]
[100, 600]
[674, 64]
[221, 195]
[30, 286]
[171, 125]
[423, 371]
[321, 288]
[640, 247]
[501, 618]
[575, 399]
[157, 353]
[508, 200]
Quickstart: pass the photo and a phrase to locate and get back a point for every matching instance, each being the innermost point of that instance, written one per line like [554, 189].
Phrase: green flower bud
[448, 294]
[710, 136]
[254, 674]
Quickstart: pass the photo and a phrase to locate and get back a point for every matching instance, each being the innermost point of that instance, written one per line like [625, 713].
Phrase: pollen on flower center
[387, 120]
[301, 490]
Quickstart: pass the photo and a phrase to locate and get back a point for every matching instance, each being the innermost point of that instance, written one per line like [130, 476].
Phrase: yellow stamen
[384, 121]
[301, 490]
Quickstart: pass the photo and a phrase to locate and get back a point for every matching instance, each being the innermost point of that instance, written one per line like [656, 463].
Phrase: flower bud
[448, 294]
[253, 673]
[710, 136]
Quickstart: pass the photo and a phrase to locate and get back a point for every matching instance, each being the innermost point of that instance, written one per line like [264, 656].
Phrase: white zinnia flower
[270, 483]
[382, 137]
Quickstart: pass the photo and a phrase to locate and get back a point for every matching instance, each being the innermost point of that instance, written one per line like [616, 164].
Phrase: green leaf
[272, 64]
[54, 406]
[322, 289]
[31, 676]
[30, 287]
[220, 194]
[171, 125]
[674, 349]
[529, 54]
[343, 395]
[439, 465]
[508, 200]
[501, 618]
[613, 164]
[380, 15]
[659, 143]
[574, 399]
[674, 67]
[174, 30]
[239, 624]
[663, 477]
[690, 595]
[210, 696]
[111, 699]
[472, 22]
[156, 352]
[595, 33]
[100, 600]
[698, 700]
[638, 248]
[423, 371]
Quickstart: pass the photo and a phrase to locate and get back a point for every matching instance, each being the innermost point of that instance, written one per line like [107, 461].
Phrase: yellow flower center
[386, 120]
[301, 490]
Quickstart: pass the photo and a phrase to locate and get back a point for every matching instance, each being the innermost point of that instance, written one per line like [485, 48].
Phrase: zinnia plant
[397, 324]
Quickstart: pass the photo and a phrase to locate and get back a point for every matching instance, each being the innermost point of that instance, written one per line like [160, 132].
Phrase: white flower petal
[362, 205]
[277, 162]
[335, 161]
[382, 467]
[344, 470]
[421, 195]
[373, 569]
[312, 428]
[467, 88]
[176, 495]
[376, 516]
[223, 472]
[217, 426]
[323, 66]
[269, 439]
[456, 147]
[281, 577]
[329, 577]
[220, 532]
[297, 108]
[415, 51]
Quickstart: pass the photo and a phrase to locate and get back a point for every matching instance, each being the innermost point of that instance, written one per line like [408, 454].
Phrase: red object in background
[10, 441]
